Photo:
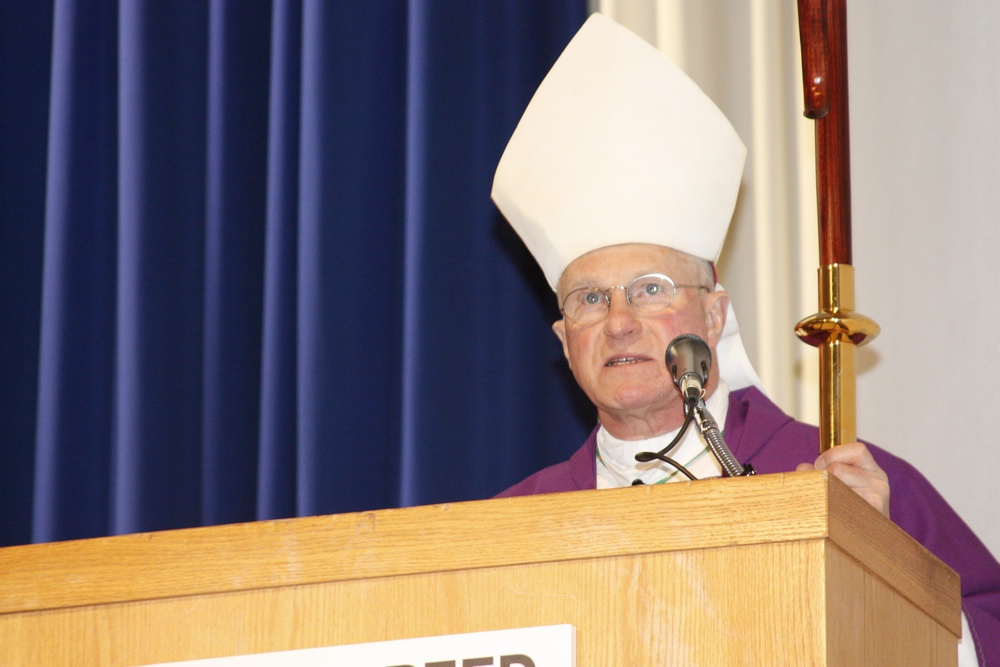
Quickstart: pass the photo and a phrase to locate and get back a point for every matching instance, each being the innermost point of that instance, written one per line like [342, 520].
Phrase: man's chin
[635, 380]
[643, 399]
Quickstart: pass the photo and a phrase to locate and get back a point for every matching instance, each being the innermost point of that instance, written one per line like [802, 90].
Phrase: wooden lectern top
[500, 536]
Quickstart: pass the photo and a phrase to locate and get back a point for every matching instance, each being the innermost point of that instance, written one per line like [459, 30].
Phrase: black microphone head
[689, 360]
[688, 353]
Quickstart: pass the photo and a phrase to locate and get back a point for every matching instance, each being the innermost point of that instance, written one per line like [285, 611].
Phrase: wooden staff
[836, 329]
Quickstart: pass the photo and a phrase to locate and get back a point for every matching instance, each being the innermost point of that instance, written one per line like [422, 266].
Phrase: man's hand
[854, 465]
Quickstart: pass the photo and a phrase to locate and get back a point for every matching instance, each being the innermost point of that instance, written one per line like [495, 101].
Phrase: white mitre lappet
[617, 146]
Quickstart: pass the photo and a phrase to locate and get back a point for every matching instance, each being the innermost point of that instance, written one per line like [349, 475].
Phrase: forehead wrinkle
[589, 280]
[620, 264]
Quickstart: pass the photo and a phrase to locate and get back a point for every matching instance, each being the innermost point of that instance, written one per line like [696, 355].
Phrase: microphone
[689, 360]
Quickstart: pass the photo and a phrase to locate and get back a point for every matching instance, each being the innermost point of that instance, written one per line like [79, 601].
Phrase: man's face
[618, 360]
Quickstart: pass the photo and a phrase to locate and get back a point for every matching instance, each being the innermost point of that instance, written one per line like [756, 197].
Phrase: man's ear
[559, 327]
[716, 308]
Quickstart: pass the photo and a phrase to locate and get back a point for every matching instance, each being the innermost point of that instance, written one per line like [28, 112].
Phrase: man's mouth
[624, 361]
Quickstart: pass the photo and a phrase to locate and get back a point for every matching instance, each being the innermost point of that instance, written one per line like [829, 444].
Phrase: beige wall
[924, 90]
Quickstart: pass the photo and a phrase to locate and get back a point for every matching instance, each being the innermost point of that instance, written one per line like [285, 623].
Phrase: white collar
[616, 464]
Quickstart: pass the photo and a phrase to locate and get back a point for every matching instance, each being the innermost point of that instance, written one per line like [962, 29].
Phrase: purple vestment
[758, 432]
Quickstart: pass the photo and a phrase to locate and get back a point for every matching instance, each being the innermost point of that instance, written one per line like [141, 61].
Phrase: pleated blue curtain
[250, 268]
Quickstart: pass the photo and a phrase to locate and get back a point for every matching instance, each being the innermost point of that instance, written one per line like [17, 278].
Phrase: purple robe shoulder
[758, 432]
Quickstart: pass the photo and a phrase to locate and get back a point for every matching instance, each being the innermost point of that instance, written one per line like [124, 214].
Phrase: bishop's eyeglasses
[646, 295]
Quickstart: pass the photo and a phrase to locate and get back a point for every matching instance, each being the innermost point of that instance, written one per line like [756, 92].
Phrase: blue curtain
[249, 267]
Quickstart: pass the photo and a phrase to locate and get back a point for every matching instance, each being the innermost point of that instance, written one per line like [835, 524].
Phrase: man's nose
[621, 320]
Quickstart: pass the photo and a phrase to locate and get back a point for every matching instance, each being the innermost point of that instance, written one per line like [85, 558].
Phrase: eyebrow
[589, 281]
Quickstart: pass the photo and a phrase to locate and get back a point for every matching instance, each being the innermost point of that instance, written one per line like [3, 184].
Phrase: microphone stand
[688, 359]
[713, 436]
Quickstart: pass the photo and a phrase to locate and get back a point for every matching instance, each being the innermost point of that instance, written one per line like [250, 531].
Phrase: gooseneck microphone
[689, 360]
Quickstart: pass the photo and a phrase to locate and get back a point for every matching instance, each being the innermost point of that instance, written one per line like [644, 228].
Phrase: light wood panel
[749, 571]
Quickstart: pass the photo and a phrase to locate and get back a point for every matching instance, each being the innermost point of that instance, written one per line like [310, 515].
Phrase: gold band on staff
[837, 331]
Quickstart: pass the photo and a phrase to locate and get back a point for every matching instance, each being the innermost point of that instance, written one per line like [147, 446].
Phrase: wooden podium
[787, 569]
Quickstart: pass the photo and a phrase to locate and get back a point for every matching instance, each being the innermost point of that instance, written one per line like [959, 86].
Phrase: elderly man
[621, 178]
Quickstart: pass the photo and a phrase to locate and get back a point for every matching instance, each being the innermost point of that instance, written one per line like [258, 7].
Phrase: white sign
[545, 646]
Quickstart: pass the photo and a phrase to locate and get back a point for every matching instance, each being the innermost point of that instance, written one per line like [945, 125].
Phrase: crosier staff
[836, 329]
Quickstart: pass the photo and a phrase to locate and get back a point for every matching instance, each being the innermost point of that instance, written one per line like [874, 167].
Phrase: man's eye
[592, 298]
[646, 291]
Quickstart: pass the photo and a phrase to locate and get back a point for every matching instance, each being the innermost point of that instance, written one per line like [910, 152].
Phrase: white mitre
[617, 146]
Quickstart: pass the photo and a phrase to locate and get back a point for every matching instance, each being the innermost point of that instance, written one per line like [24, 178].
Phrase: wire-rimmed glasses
[647, 295]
